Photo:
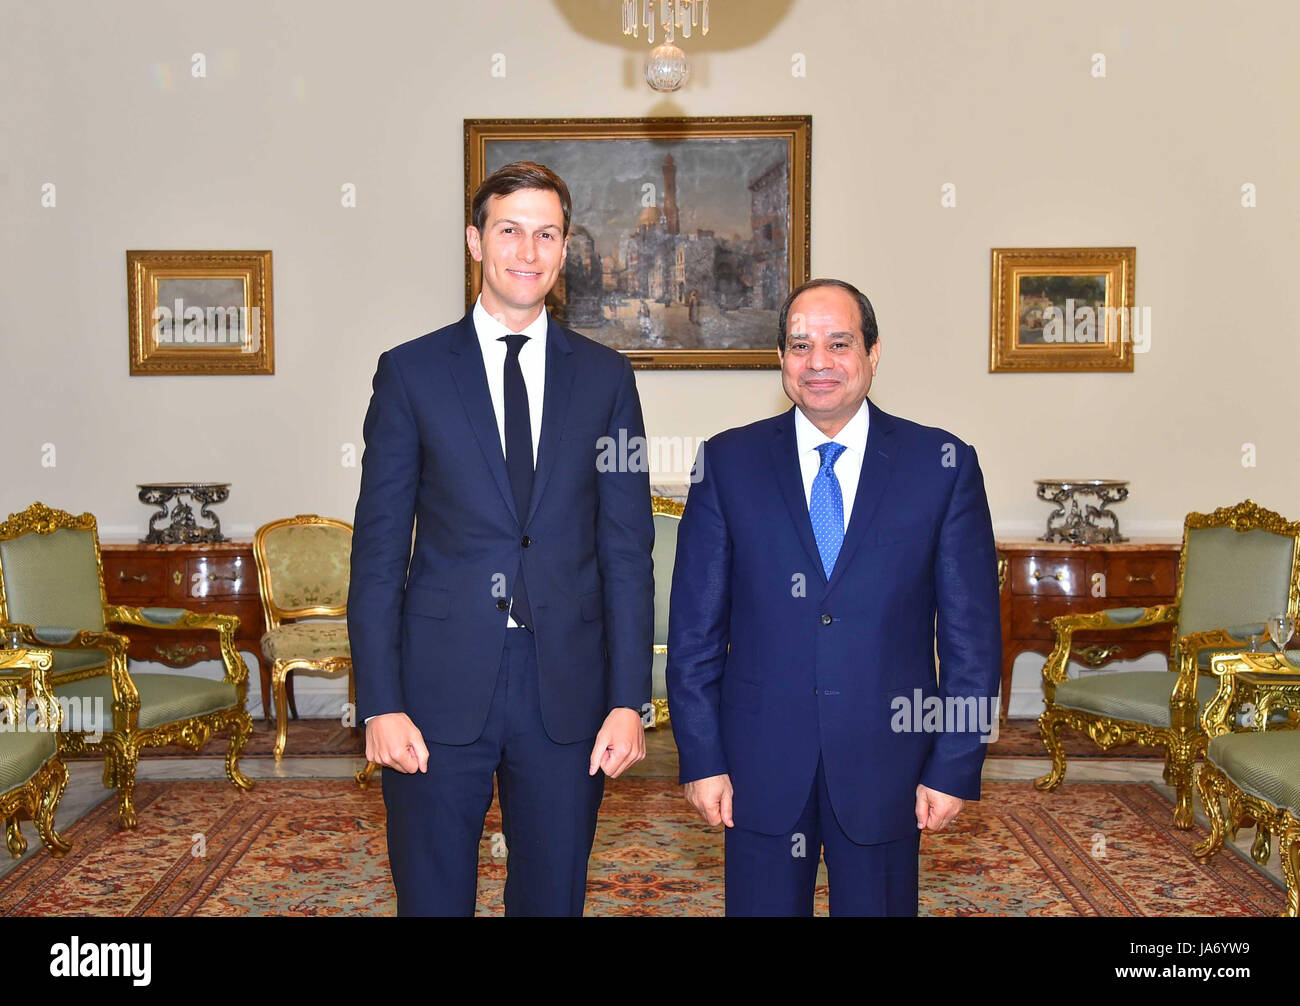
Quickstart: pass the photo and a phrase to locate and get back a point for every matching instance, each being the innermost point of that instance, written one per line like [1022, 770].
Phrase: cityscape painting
[686, 234]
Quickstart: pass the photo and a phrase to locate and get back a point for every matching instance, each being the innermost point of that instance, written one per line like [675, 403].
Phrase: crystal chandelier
[666, 69]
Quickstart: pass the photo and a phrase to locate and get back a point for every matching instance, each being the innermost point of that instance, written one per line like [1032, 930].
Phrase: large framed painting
[686, 234]
[200, 312]
[1064, 309]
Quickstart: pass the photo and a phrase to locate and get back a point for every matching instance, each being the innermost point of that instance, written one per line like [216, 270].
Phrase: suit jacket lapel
[470, 375]
[555, 406]
[877, 465]
[785, 459]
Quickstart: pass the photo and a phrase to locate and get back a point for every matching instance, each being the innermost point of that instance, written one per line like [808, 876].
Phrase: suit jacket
[427, 640]
[770, 666]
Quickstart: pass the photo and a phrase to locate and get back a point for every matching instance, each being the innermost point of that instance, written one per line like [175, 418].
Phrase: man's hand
[935, 810]
[712, 798]
[620, 743]
[393, 741]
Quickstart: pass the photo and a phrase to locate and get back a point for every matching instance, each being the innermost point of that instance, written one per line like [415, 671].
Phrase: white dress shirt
[532, 361]
[853, 437]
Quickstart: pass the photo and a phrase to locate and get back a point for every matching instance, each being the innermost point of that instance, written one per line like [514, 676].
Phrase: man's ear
[564, 250]
[474, 241]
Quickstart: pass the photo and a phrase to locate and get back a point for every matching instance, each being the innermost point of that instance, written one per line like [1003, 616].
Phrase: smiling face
[522, 249]
[825, 367]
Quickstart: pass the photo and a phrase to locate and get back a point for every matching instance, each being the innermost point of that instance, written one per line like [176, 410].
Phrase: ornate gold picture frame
[686, 234]
[1064, 309]
[200, 312]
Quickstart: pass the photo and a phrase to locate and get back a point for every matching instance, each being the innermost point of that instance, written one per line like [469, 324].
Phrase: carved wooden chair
[32, 776]
[52, 595]
[1238, 566]
[303, 564]
[1250, 763]
[667, 515]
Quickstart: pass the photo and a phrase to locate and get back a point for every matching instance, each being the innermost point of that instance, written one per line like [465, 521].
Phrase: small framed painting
[200, 312]
[1064, 309]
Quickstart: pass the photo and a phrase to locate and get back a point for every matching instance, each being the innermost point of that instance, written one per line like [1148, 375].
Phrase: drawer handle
[1059, 574]
[1096, 655]
[137, 578]
[1141, 579]
[180, 653]
[213, 577]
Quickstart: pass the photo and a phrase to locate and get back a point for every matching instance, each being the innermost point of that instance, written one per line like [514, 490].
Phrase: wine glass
[1281, 628]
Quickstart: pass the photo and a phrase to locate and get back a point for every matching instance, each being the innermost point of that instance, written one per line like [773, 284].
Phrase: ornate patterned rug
[1020, 739]
[317, 847]
[308, 738]
[325, 738]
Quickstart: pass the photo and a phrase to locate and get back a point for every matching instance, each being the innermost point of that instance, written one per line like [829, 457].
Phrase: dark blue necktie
[519, 458]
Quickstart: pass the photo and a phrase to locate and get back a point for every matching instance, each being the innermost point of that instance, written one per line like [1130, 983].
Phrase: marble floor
[85, 788]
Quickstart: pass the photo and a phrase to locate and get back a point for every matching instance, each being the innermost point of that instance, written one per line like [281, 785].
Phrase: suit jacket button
[826, 619]
[525, 541]
[502, 604]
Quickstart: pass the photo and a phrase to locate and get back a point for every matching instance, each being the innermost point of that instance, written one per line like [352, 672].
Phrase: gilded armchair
[303, 565]
[1238, 565]
[32, 776]
[1252, 765]
[667, 518]
[52, 595]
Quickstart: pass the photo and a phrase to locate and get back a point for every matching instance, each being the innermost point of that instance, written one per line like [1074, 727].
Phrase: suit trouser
[777, 874]
[548, 807]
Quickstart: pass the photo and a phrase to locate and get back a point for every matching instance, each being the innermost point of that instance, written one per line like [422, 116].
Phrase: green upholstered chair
[32, 776]
[667, 518]
[303, 567]
[1238, 566]
[52, 595]
[1250, 763]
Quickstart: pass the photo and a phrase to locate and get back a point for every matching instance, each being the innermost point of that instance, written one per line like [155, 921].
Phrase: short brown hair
[514, 176]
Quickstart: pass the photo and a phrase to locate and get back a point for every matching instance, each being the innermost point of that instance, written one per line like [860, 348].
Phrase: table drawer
[134, 577]
[219, 576]
[1137, 575]
[1049, 575]
[1031, 617]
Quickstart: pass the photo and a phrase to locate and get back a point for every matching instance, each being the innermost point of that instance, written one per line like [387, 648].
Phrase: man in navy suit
[518, 642]
[823, 557]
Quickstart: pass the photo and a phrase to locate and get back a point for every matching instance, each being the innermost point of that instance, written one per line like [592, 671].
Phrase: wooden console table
[206, 578]
[1040, 580]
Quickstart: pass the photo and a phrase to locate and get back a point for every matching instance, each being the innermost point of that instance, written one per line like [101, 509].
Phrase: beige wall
[996, 97]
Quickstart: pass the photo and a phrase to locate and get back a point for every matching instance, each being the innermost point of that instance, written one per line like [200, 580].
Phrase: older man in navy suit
[823, 557]
[517, 645]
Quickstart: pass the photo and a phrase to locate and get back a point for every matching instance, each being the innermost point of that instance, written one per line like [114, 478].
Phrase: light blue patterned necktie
[826, 506]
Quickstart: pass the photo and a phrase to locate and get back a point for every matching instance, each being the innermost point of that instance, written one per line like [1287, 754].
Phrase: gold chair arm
[86, 639]
[24, 678]
[1189, 648]
[1065, 626]
[1267, 672]
[126, 700]
[225, 625]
